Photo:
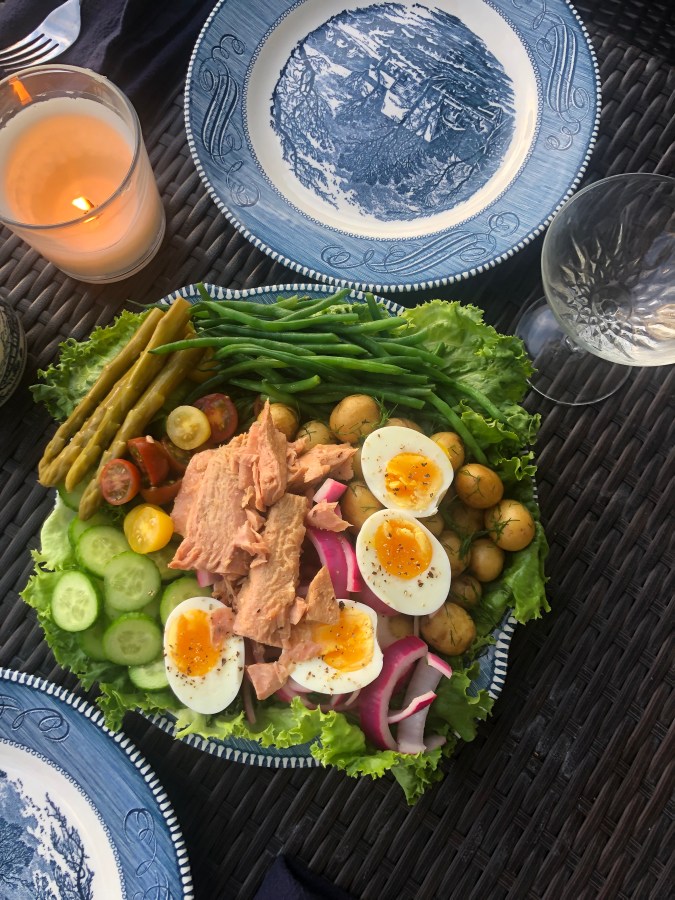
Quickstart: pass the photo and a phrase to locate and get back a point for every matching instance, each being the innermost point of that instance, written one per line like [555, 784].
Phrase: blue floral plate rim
[493, 663]
[143, 843]
[560, 62]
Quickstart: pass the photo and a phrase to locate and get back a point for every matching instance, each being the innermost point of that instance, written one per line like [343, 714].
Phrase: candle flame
[83, 204]
[22, 94]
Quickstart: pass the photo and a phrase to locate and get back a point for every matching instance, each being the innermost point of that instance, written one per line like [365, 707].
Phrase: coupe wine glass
[608, 270]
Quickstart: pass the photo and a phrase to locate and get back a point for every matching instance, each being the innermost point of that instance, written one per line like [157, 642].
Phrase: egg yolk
[402, 547]
[191, 647]
[413, 479]
[347, 645]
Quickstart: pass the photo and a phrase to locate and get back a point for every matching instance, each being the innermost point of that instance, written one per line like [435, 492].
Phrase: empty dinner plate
[391, 145]
[81, 813]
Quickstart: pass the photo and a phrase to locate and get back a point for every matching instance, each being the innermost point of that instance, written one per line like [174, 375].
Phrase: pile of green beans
[306, 352]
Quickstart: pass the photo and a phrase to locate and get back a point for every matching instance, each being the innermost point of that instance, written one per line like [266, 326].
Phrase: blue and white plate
[393, 145]
[494, 661]
[81, 813]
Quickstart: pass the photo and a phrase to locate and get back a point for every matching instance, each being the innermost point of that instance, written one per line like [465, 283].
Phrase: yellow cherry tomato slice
[147, 528]
[188, 427]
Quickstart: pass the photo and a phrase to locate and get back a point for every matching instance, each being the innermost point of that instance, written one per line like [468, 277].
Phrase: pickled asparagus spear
[85, 448]
[175, 369]
[110, 375]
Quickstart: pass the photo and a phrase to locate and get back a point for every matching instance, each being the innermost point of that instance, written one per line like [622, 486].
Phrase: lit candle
[75, 179]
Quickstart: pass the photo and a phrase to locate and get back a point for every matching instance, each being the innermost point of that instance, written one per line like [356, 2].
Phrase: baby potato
[434, 523]
[354, 418]
[314, 433]
[510, 525]
[486, 559]
[462, 519]
[465, 591]
[478, 487]
[452, 544]
[356, 464]
[357, 503]
[285, 419]
[450, 630]
[404, 423]
[400, 625]
[453, 446]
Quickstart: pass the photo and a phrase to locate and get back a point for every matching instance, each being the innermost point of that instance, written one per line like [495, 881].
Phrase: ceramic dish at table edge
[354, 212]
[57, 759]
[493, 663]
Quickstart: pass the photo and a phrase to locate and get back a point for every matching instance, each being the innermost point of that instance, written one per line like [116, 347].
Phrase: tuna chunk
[326, 516]
[319, 462]
[268, 678]
[215, 519]
[268, 593]
[185, 501]
[322, 605]
[263, 462]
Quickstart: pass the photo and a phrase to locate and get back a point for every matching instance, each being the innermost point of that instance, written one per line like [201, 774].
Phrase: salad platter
[101, 624]
[391, 146]
[63, 833]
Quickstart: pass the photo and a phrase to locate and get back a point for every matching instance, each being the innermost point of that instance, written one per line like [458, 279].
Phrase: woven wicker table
[566, 791]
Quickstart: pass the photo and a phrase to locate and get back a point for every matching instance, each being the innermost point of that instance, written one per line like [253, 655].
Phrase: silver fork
[59, 30]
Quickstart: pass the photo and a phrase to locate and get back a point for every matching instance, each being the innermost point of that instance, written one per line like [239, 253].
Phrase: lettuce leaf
[66, 382]
[456, 709]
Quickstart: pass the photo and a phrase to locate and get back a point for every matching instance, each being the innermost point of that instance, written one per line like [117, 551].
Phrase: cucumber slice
[130, 581]
[77, 526]
[75, 602]
[133, 639]
[91, 641]
[180, 590]
[98, 545]
[72, 498]
[152, 608]
[150, 677]
[162, 558]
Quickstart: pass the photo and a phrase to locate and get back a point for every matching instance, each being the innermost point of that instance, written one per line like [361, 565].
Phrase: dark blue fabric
[142, 46]
[288, 879]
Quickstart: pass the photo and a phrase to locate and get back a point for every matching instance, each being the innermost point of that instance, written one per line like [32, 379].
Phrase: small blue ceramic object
[12, 351]
[391, 146]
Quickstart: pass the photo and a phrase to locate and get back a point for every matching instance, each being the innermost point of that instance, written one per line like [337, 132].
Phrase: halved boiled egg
[204, 662]
[403, 563]
[406, 470]
[350, 656]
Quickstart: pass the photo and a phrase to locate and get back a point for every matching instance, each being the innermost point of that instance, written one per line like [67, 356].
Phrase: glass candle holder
[75, 179]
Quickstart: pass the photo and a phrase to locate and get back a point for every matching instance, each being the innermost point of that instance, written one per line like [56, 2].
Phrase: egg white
[382, 445]
[418, 596]
[316, 675]
[214, 691]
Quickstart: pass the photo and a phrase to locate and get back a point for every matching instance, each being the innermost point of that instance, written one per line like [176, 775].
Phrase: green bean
[297, 387]
[373, 307]
[304, 337]
[318, 306]
[454, 420]
[258, 388]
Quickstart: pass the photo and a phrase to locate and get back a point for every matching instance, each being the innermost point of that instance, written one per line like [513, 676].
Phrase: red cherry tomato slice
[222, 415]
[150, 457]
[163, 494]
[119, 481]
[178, 459]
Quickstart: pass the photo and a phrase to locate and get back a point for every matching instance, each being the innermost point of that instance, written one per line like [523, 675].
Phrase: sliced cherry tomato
[150, 457]
[119, 481]
[147, 528]
[222, 415]
[178, 459]
[163, 494]
[188, 427]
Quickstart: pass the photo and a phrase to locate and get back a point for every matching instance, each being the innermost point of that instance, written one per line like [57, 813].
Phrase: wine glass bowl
[608, 271]
[608, 266]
